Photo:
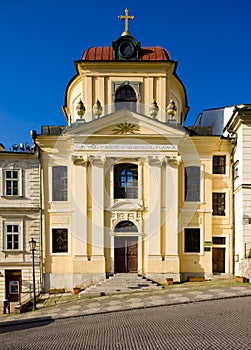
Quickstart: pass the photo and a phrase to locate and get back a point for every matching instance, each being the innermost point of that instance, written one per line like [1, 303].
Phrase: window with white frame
[12, 183]
[236, 169]
[59, 183]
[219, 164]
[12, 236]
[125, 181]
[219, 200]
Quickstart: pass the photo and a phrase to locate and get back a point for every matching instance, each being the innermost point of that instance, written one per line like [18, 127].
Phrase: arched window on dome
[125, 226]
[125, 97]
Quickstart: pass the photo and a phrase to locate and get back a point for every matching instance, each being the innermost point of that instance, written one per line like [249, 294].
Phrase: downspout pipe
[233, 140]
[37, 148]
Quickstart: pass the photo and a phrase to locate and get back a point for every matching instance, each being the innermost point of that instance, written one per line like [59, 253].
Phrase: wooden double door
[126, 254]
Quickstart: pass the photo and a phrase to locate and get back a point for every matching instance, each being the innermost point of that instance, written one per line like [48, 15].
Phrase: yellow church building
[126, 187]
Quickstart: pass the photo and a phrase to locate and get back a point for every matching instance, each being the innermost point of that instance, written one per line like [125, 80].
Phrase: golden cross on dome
[126, 18]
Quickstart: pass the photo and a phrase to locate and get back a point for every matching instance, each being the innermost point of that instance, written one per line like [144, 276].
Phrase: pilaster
[154, 219]
[80, 207]
[171, 214]
[97, 186]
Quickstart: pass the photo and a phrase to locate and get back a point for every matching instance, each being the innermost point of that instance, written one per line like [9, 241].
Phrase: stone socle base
[161, 277]
[68, 280]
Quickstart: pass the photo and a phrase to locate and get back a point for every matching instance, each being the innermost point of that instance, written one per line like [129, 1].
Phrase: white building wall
[23, 210]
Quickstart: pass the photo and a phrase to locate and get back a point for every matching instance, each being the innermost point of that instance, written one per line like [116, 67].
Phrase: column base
[154, 257]
[97, 258]
[80, 257]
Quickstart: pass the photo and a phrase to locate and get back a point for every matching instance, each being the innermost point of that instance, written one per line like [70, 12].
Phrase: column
[171, 215]
[97, 193]
[112, 182]
[80, 207]
[100, 93]
[88, 95]
[154, 219]
[140, 243]
[140, 182]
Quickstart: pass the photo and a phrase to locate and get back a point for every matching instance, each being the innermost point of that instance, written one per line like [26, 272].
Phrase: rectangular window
[192, 240]
[192, 184]
[248, 250]
[236, 169]
[125, 181]
[12, 182]
[219, 240]
[59, 183]
[59, 240]
[219, 164]
[219, 204]
[12, 236]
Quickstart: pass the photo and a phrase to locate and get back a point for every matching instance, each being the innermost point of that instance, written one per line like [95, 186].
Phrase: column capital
[155, 160]
[173, 159]
[97, 160]
[79, 160]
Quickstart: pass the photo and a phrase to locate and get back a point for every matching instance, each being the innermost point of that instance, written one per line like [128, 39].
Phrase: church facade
[126, 187]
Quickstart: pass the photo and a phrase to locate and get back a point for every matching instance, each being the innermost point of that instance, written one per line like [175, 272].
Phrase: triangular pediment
[126, 122]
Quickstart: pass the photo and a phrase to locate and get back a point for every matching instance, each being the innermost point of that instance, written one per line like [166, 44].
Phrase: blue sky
[40, 39]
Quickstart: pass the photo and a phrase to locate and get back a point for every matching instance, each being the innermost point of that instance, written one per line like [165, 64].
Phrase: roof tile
[105, 53]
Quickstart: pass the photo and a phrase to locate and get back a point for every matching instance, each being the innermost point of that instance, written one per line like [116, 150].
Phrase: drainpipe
[41, 239]
[233, 141]
[41, 286]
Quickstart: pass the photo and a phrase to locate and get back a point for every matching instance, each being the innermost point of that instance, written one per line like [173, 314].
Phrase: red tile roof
[105, 53]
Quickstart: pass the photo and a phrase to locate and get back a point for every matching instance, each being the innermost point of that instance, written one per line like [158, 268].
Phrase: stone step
[120, 283]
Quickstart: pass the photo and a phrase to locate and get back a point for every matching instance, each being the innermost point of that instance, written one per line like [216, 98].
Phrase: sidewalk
[52, 307]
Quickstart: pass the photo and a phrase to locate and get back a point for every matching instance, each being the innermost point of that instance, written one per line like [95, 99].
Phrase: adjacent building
[19, 222]
[234, 122]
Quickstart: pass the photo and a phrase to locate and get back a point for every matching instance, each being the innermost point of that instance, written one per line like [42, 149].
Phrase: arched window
[125, 97]
[125, 181]
[125, 226]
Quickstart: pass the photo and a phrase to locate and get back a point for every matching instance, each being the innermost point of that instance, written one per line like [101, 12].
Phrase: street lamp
[32, 243]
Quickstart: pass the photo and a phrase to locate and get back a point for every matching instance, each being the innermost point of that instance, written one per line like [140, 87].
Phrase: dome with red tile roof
[105, 53]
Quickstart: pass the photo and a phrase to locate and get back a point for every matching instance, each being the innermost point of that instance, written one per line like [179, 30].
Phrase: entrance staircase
[120, 283]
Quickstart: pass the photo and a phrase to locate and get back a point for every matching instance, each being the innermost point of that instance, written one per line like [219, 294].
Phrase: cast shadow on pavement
[10, 326]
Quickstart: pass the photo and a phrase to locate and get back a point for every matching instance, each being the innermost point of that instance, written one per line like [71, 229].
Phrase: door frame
[222, 249]
[11, 276]
[227, 252]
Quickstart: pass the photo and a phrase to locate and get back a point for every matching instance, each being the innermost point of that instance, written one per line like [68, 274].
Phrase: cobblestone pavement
[216, 324]
[66, 306]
